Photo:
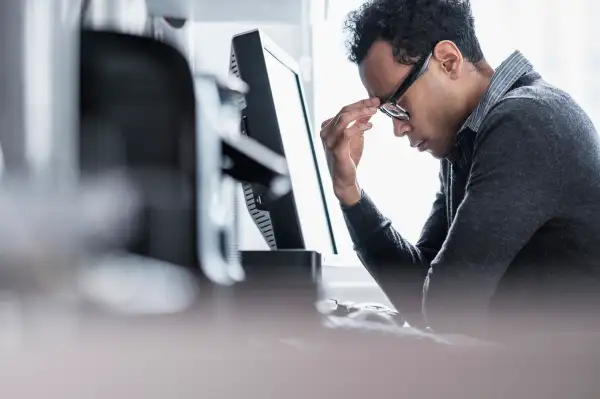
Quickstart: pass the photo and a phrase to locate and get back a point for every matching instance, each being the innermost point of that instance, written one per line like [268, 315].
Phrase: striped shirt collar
[505, 76]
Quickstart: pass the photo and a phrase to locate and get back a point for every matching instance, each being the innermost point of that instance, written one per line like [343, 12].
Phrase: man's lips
[420, 145]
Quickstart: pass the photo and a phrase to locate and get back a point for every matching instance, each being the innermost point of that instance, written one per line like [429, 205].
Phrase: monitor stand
[303, 265]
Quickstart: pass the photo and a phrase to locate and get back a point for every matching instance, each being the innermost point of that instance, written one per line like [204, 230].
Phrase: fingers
[360, 120]
[365, 103]
[355, 130]
[346, 118]
[336, 141]
[351, 120]
[326, 122]
[365, 120]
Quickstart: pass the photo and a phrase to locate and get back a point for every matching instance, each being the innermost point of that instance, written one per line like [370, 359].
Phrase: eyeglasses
[391, 107]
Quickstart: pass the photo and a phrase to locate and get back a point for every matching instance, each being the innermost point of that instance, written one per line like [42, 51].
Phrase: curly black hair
[412, 27]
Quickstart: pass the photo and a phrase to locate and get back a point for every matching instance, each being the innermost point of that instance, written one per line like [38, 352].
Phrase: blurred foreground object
[47, 237]
[177, 134]
[129, 285]
[46, 231]
[183, 358]
[127, 16]
[39, 43]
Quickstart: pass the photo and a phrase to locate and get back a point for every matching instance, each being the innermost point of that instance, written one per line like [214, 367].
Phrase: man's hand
[343, 139]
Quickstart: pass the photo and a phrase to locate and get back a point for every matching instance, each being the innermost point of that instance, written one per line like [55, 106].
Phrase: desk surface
[184, 357]
[278, 349]
[351, 283]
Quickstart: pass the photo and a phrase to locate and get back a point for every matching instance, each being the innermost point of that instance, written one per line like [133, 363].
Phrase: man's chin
[439, 153]
[436, 154]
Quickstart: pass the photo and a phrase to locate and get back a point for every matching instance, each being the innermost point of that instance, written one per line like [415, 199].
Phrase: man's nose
[401, 128]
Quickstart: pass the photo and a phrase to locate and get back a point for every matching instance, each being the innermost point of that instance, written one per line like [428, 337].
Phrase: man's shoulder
[528, 101]
[541, 111]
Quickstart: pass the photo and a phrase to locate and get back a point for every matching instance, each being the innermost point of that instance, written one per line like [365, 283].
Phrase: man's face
[430, 100]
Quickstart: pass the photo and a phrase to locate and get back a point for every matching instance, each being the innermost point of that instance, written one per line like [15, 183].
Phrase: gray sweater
[513, 239]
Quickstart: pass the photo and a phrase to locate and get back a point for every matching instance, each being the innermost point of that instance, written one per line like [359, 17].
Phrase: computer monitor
[275, 115]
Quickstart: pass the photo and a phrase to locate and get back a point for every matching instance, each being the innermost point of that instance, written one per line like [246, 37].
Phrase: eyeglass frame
[416, 72]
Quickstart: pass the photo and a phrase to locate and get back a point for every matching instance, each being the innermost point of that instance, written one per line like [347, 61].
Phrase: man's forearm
[398, 267]
[348, 196]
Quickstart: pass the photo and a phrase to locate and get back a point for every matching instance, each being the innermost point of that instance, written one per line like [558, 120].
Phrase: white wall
[289, 11]
[212, 41]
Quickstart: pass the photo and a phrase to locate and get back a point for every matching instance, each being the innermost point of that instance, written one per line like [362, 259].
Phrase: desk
[183, 357]
[284, 351]
[351, 283]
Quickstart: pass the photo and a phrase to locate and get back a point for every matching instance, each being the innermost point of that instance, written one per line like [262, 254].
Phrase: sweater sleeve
[398, 266]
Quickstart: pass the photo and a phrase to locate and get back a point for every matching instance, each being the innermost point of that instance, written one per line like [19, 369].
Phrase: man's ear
[449, 57]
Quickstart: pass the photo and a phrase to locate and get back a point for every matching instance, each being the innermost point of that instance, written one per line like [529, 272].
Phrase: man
[513, 240]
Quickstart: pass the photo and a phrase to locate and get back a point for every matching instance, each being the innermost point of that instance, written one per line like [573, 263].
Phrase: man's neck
[482, 76]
